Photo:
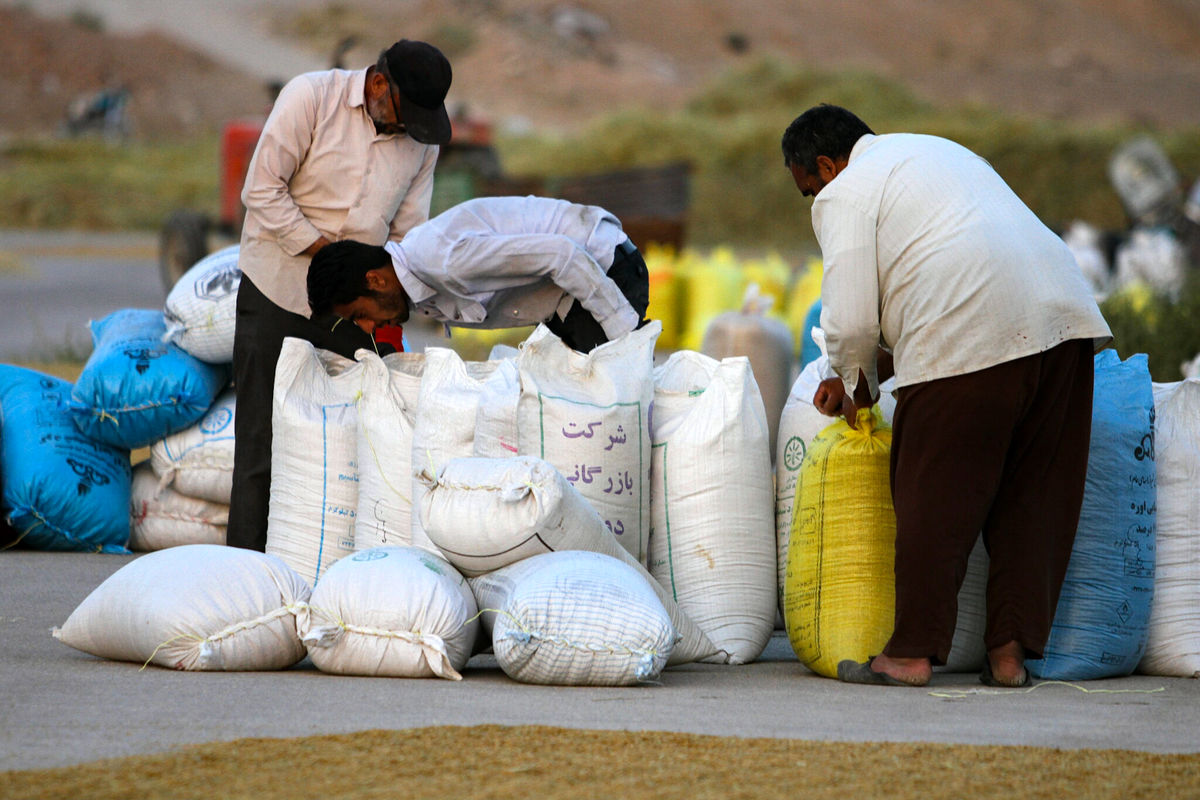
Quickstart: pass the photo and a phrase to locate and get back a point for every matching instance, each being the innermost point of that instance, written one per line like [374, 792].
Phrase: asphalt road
[59, 706]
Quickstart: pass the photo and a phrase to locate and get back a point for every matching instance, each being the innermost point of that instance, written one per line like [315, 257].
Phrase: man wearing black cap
[343, 155]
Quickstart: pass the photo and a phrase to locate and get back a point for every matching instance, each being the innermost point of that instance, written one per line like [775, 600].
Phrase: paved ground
[61, 707]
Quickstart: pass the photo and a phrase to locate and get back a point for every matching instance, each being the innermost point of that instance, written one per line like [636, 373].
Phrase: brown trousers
[1004, 451]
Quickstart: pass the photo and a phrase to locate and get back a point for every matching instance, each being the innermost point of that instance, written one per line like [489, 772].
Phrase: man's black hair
[823, 130]
[337, 274]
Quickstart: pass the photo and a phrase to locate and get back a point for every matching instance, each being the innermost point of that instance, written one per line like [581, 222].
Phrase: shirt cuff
[619, 324]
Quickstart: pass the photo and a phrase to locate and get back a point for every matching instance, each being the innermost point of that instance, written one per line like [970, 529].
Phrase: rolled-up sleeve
[414, 209]
[849, 290]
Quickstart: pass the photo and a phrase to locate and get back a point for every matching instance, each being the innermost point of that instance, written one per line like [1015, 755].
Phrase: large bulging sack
[496, 428]
[201, 308]
[588, 415]
[447, 408]
[486, 513]
[839, 592]
[393, 611]
[386, 413]
[1173, 641]
[62, 490]
[196, 607]
[1100, 625]
[314, 458]
[137, 388]
[712, 536]
[198, 460]
[574, 619]
[161, 517]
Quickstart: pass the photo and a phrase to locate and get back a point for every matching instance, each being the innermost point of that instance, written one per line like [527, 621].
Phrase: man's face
[811, 184]
[382, 107]
[384, 304]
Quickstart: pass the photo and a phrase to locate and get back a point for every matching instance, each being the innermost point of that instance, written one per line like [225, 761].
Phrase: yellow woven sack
[839, 592]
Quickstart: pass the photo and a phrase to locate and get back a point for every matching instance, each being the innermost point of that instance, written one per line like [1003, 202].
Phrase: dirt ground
[532, 761]
[557, 64]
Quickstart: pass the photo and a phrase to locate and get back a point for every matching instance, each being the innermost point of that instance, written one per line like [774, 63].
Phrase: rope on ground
[961, 694]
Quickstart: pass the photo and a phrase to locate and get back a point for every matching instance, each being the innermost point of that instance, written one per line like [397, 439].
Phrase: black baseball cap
[422, 75]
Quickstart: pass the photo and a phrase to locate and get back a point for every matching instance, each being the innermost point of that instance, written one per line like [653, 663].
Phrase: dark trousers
[258, 338]
[1004, 451]
[579, 330]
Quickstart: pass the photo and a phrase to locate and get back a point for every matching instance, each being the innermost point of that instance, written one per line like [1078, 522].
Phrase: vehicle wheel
[183, 242]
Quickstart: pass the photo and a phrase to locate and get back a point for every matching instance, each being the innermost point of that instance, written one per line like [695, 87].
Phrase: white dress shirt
[928, 252]
[320, 169]
[505, 262]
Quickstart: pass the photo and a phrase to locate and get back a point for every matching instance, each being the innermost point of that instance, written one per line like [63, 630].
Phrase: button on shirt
[928, 252]
[320, 169]
[500, 262]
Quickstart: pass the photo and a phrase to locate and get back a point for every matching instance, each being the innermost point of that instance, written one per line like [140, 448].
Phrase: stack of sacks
[391, 611]
[181, 496]
[195, 607]
[1173, 638]
[588, 415]
[712, 541]
[1100, 625]
[201, 308]
[486, 514]
[135, 388]
[62, 490]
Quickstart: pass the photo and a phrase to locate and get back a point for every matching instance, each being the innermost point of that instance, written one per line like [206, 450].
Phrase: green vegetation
[1151, 323]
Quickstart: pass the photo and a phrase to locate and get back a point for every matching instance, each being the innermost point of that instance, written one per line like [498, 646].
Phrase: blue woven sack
[61, 490]
[137, 388]
[1102, 620]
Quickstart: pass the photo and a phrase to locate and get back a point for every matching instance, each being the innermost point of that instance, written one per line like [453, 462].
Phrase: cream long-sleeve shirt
[928, 252]
[503, 262]
[320, 169]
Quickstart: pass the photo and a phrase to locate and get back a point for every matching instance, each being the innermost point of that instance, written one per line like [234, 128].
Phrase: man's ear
[376, 280]
[827, 168]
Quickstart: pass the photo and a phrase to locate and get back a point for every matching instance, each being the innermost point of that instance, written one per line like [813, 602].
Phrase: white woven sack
[574, 619]
[161, 517]
[201, 308]
[314, 461]
[1173, 640]
[195, 607]
[486, 513]
[400, 612]
[496, 419]
[445, 421]
[712, 537]
[198, 461]
[588, 415]
[387, 410]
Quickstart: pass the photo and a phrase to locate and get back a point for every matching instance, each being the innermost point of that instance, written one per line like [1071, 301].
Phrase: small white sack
[400, 612]
[445, 421]
[486, 513]
[574, 619]
[588, 415]
[198, 461]
[201, 308]
[1173, 637]
[314, 461]
[387, 411]
[162, 517]
[712, 540]
[195, 607]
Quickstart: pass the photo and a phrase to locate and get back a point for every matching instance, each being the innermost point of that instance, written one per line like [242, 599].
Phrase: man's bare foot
[1008, 664]
[913, 671]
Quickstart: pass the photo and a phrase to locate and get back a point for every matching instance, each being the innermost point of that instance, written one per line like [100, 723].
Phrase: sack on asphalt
[314, 458]
[201, 307]
[1173, 636]
[574, 619]
[1100, 624]
[487, 513]
[196, 607]
[137, 388]
[161, 517]
[712, 535]
[400, 612]
[198, 460]
[62, 490]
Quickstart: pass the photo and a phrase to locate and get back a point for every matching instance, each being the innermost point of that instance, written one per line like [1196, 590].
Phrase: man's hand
[832, 401]
[312, 249]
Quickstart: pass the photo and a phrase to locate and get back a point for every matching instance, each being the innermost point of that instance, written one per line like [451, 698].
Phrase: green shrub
[1168, 332]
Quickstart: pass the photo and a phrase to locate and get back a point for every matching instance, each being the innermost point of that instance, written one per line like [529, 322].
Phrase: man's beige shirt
[928, 252]
[320, 169]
